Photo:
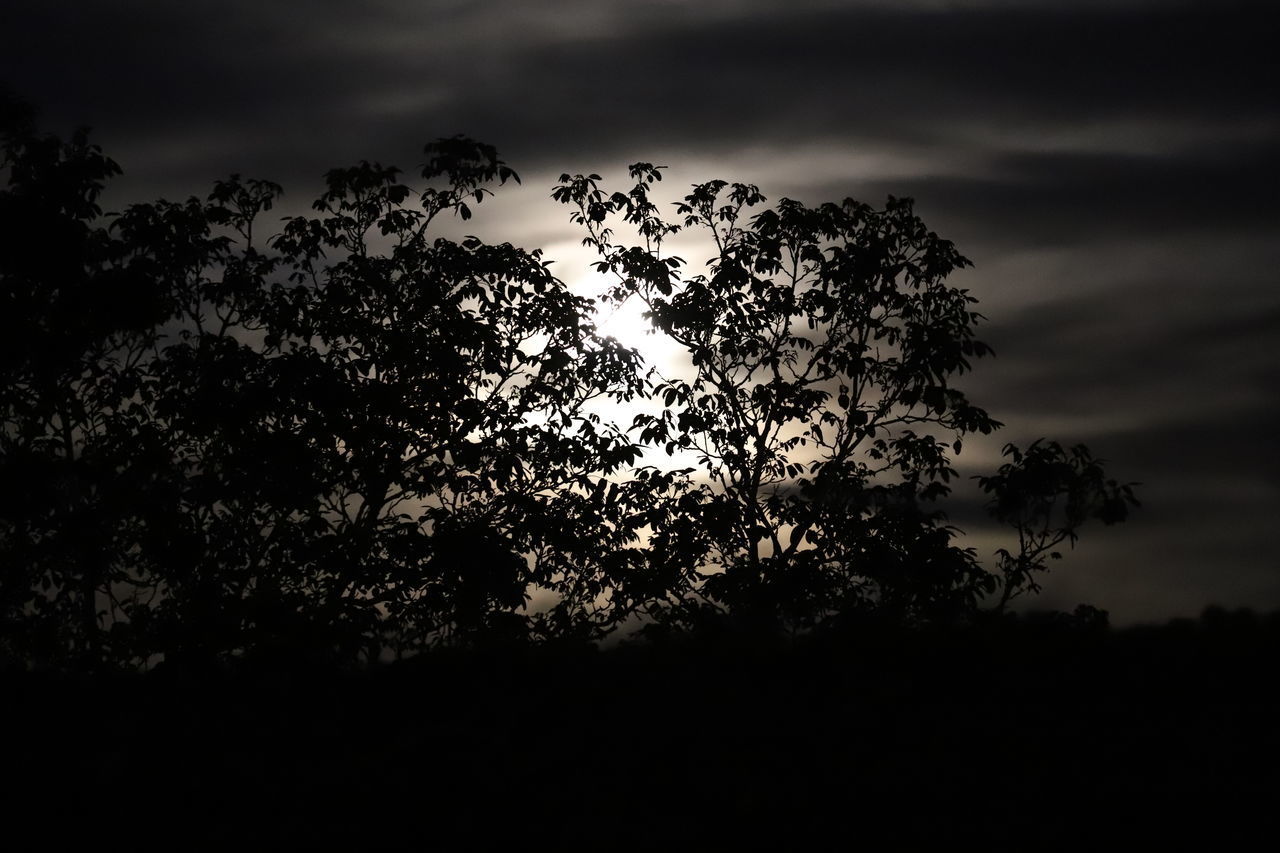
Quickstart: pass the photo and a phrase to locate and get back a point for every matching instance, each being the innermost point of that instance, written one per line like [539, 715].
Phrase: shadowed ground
[1031, 734]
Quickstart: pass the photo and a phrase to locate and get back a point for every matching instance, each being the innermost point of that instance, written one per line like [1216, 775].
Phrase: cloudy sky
[1110, 167]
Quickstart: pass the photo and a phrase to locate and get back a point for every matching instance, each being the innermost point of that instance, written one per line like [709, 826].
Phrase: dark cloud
[1044, 199]
[1123, 353]
[556, 81]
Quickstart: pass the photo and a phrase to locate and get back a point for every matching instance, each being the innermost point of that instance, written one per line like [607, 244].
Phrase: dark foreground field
[1031, 735]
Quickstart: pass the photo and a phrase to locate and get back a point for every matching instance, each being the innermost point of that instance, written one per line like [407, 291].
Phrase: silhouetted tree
[459, 378]
[1046, 493]
[355, 436]
[452, 384]
[70, 328]
[822, 345]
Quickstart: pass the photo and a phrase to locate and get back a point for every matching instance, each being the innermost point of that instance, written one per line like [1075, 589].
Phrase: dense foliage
[356, 438]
